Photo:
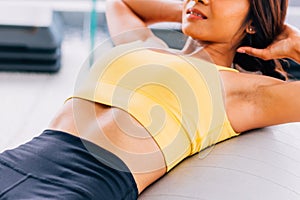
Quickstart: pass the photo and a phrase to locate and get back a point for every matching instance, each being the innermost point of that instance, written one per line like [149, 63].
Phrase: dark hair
[267, 18]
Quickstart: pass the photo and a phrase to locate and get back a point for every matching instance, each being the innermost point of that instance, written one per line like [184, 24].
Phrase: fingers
[286, 45]
[260, 53]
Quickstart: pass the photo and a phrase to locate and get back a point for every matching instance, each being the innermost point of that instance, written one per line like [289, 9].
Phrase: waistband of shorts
[99, 153]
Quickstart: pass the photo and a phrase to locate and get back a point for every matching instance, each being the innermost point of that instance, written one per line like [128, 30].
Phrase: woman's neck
[219, 54]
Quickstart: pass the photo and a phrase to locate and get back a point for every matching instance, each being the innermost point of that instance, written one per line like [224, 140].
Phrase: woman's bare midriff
[116, 131]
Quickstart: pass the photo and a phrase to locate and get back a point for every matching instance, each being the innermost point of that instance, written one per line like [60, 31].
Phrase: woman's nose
[205, 2]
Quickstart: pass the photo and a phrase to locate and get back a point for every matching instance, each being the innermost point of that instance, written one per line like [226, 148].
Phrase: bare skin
[245, 95]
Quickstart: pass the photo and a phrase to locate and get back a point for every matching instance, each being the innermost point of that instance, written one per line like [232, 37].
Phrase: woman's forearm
[152, 11]
[127, 20]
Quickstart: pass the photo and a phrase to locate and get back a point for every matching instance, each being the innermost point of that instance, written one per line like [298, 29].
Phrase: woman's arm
[287, 45]
[129, 18]
[256, 101]
[282, 102]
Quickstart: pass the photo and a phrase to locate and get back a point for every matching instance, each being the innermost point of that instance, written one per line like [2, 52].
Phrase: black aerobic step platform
[30, 44]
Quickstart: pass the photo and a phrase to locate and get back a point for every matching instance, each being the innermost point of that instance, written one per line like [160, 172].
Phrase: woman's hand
[287, 45]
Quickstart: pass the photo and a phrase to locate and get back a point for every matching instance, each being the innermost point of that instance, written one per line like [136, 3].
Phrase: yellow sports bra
[178, 99]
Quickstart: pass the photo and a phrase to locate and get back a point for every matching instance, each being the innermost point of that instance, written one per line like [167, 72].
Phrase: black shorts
[57, 165]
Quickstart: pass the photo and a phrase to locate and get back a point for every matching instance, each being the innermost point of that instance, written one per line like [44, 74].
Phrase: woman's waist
[114, 130]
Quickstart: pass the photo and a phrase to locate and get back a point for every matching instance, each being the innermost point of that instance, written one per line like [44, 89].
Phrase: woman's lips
[195, 14]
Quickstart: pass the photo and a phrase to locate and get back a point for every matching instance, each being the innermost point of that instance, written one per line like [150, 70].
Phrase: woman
[99, 151]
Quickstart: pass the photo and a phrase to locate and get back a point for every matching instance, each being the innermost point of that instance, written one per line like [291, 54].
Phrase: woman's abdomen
[116, 131]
